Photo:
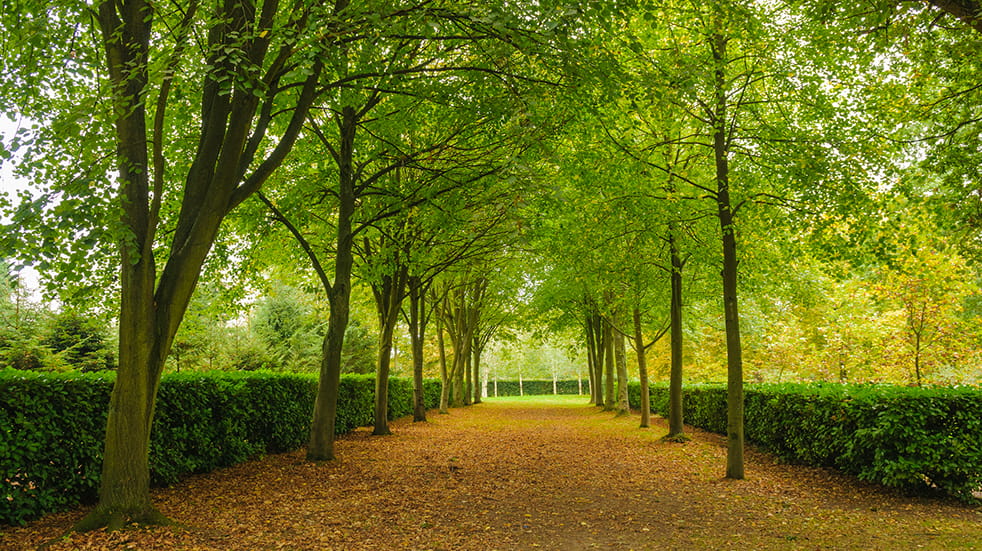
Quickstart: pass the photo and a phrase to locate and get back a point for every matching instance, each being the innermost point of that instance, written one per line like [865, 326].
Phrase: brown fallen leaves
[526, 475]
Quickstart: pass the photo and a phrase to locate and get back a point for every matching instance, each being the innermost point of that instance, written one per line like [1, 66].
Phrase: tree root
[117, 519]
[679, 438]
[113, 521]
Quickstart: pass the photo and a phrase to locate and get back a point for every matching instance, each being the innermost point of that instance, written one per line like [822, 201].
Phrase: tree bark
[388, 301]
[968, 11]
[676, 428]
[444, 376]
[610, 381]
[590, 353]
[734, 354]
[642, 370]
[417, 331]
[598, 360]
[458, 372]
[322, 426]
[476, 350]
[620, 357]
[468, 375]
[152, 304]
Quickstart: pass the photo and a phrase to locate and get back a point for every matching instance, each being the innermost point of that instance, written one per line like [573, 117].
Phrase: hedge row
[913, 439]
[536, 387]
[52, 427]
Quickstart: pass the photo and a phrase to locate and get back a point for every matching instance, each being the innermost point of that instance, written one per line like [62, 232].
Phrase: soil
[526, 474]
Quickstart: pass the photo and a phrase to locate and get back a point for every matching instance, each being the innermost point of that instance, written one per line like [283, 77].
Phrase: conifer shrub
[52, 427]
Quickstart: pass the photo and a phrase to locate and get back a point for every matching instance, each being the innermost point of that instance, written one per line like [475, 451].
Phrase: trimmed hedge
[913, 439]
[52, 427]
[537, 387]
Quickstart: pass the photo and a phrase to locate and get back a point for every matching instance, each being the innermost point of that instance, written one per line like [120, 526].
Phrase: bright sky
[9, 186]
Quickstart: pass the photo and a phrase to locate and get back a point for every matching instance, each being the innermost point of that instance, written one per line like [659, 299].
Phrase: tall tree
[185, 159]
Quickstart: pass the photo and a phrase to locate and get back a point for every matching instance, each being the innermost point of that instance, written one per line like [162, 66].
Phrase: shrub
[52, 427]
[536, 387]
[913, 439]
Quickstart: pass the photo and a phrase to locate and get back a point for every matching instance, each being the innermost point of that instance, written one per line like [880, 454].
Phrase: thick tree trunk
[152, 304]
[734, 354]
[620, 357]
[124, 492]
[676, 428]
[642, 370]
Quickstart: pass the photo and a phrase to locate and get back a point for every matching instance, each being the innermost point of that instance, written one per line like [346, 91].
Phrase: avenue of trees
[731, 191]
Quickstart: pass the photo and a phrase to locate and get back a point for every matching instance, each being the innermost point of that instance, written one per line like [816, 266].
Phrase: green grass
[551, 400]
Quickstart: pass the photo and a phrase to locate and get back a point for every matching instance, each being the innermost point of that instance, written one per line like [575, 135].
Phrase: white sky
[9, 186]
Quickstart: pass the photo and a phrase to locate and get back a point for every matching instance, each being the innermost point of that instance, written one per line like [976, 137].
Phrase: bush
[913, 439]
[52, 427]
[536, 387]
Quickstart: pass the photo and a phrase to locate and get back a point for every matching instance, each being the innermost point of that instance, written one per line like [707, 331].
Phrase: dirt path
[521, 475]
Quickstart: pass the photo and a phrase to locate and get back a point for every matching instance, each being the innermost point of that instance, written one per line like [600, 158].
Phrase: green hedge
[537, 387]
[52, 427]
[914, 439]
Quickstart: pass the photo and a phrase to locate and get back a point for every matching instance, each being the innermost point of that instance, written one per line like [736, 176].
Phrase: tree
[929, 287]
[81, 339]
[285, 322]
[258, 70]
[450, 55]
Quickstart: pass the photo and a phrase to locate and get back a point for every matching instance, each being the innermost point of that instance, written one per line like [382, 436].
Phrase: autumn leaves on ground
[545, 473]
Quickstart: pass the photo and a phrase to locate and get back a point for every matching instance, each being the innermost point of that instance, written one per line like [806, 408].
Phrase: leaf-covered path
[520, 474]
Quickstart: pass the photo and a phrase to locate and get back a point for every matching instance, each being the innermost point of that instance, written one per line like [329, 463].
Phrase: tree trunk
[590, 353]
[459, 384]
[676, 428]
[417, 331]
[468, 376]
[444, 376]
[320, 447]
[124, 492]
[620, 357]
[734, 355]
[388, 301]
[152, 304]
[642, 370]
[598, 359]
[322, 426]
[610, 382]
[381, 414]
[476, 349]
